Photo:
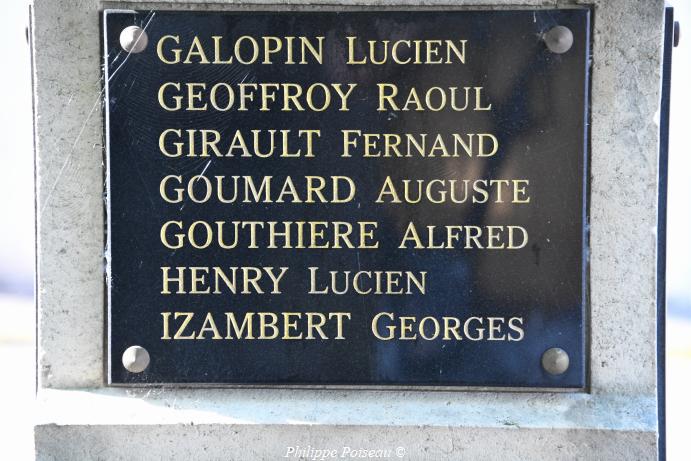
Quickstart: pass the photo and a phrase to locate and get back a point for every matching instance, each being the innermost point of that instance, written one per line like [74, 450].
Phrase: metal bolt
[555, 361]
[558, 39]
[135, 359]
[133, 39]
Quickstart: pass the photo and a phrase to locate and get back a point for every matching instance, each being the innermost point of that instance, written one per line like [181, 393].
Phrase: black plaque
[465, 281]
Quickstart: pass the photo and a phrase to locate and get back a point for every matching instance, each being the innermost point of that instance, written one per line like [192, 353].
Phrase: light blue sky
[679, 215]
[16, 176]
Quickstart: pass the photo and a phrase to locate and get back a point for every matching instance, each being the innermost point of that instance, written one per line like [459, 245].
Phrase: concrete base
[246, 424]
[242, 442]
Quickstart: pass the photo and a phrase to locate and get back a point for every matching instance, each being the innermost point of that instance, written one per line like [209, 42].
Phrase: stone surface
[261, 423]
[156, 406]
[625, 102]
[243, 442]
[69, 183]
[70, 257]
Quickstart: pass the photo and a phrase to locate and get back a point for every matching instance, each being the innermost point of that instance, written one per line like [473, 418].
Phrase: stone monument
[350, 230]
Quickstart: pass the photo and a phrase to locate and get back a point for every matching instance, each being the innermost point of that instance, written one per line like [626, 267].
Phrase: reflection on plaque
[380, 198]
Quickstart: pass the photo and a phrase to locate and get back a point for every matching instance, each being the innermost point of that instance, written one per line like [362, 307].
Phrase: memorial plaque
[347, 198]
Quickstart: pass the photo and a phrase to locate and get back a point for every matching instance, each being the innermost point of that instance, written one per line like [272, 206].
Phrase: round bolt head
[558, 39]
[135, 359]
[555, 361]
[133, 39]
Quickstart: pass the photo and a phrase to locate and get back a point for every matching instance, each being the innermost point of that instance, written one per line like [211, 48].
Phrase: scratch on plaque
[83, 126]
[204, 170]
[206, 167]
[151, 15]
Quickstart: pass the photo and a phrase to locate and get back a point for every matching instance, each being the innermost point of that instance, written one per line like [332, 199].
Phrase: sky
[679, 203]
[16, 176]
